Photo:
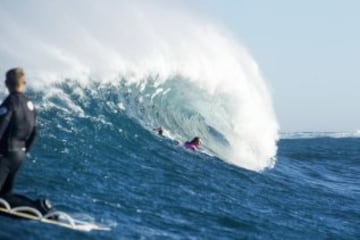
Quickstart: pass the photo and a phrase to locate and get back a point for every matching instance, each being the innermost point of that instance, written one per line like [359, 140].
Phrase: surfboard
[58, 218]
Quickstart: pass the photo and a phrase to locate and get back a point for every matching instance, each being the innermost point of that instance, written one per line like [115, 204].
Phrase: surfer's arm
[5, 117]
[31, 140]
[29, 143]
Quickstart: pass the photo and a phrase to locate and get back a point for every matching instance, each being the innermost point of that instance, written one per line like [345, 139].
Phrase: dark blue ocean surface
[106, 167]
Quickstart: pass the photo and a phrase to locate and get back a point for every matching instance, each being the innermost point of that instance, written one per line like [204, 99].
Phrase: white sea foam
[308, 135]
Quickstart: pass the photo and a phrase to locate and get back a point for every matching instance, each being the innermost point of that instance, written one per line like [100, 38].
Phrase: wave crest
[167, 67]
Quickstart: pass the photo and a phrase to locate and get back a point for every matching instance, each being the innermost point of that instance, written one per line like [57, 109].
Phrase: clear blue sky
[308, 52]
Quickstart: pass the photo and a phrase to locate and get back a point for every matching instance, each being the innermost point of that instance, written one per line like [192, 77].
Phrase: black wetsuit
[17, 134]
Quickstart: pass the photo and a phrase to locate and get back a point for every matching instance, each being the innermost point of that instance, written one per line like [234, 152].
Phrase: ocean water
[108, 168]
[99, 93]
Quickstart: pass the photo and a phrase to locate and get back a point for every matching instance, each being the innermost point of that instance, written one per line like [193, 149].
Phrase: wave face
[158, 65]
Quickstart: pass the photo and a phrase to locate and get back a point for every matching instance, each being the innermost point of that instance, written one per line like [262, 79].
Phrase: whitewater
[103, 74]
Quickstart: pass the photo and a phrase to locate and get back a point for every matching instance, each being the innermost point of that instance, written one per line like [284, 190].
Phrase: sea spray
[185, 73]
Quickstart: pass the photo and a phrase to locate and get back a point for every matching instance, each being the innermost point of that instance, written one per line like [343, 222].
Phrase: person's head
[159, 130]
[196, 141]
[15, 80]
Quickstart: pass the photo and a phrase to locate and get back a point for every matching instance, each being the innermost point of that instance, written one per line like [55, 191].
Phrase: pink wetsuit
[191, 146]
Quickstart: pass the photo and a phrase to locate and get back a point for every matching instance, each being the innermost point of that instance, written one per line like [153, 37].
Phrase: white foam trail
[310, 135]
[83, 40]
